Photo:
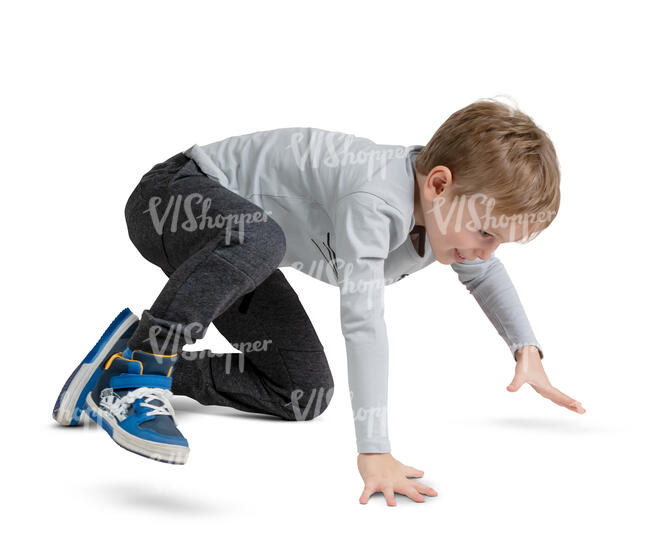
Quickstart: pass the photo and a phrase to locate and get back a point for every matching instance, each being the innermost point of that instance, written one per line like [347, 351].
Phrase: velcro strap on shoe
[131, 380]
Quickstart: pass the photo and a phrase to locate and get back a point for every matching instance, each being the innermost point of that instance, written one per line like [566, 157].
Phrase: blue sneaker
[131, 402]
[69, 405]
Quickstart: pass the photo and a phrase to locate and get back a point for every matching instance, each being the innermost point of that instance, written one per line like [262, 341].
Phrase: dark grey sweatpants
[221, 253]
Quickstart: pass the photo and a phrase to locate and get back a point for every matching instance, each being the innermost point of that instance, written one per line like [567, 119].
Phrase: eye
[485, 234]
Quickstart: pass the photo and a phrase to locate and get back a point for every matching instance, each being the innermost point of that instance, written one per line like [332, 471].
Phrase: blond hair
[495, 149]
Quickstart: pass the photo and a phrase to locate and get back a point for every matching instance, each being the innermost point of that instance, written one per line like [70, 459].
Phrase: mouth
[459, 256]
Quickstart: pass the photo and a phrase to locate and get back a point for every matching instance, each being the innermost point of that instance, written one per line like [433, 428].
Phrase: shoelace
[120, 405]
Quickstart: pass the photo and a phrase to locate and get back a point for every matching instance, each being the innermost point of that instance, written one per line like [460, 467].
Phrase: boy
[220, 219]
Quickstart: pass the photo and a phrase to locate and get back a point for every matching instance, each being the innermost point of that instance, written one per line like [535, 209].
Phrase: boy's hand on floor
[383, 473]
[529, 370]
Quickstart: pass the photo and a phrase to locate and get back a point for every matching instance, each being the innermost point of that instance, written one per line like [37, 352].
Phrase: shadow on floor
[130, 495]
[542, 424]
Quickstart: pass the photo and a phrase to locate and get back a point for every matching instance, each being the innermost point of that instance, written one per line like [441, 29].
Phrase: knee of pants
[309, 403]
[140, 230]
[313, 385]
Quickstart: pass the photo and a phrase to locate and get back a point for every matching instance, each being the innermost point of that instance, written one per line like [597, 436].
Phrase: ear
[438, 181]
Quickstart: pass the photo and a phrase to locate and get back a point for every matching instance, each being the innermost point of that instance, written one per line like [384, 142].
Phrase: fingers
[390, 496]
[413, 490]
[369, 490]
[365, 495]
[424, 489]
[546, 390]
[559, 398]
[413, 472]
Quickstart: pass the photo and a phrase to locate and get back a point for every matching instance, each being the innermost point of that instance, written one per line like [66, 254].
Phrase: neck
[417, 205]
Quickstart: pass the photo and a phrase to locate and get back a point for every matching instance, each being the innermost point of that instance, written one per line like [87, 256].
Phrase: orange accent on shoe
[110, 360]
[119, 355]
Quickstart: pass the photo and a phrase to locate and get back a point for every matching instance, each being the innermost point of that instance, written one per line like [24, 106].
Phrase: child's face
[460, 226]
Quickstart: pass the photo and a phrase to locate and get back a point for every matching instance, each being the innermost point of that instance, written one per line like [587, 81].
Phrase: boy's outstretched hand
[383, 473]
[529, 370]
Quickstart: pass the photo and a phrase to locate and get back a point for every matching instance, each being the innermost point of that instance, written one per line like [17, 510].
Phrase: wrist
[528, 349]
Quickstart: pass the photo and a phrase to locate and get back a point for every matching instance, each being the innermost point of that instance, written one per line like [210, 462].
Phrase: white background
[94, 94]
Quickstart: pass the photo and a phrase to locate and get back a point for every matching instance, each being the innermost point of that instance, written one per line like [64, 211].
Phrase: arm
[489, 283]
[363, 230]
[491, 286]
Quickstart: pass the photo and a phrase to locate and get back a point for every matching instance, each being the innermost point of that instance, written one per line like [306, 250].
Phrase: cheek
[465, 240]
[453, 239]
[450, 240]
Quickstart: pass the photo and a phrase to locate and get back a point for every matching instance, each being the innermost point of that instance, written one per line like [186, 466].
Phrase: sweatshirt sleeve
[489, 283]
[363, 228]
